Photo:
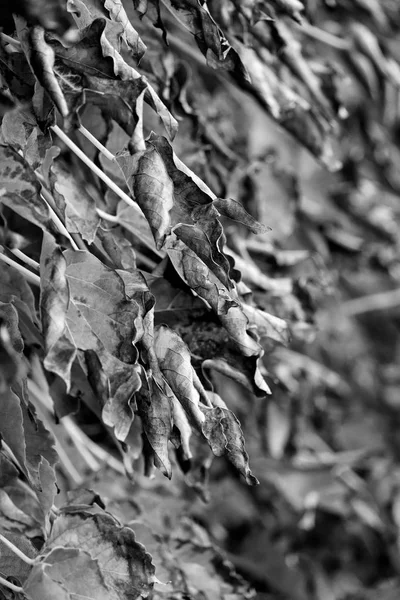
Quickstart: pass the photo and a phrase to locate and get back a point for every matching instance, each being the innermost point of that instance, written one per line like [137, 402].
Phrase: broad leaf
[66, 574]
[22, 189]
[124, 564]
[74, 202]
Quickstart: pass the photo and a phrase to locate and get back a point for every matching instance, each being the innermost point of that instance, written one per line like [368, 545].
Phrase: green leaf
[20, 131]
[124, 564]
[67, 574]
[224, 434]
[76, 205]
[40, 445]
[22, 189]
[12, 366]
[86, 308]
[11, 426]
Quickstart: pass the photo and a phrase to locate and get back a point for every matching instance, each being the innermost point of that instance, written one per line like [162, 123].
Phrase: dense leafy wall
[143, 293]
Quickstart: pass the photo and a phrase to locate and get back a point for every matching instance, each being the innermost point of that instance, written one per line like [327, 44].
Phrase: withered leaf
[224, 434]
[174, 360]
[155, 411]
[41, 58]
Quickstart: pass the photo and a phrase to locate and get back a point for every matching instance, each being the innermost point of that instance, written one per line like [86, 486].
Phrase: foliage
[144, 297]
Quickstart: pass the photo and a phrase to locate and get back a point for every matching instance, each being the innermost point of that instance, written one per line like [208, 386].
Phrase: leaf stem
[96, 450]
[324, 36]
[86, 133]
[26, 259]
[11, 586]
[107, 217]
[17, 551]
[371, 303]
[29, 276]
[10, 40]
[85, 159]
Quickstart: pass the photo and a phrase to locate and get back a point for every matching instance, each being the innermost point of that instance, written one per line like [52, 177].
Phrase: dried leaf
[224, 434]
[41, 58]
[54, 300]
[174, 359]
[155, 411]
[130, 35]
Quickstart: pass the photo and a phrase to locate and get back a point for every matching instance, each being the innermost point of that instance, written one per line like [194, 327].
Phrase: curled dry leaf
[41, 58]
[174, 359]
[223, 432]
[155, 412]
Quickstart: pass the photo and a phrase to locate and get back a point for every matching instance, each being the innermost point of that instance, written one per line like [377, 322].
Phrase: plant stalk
[17, 551]
[11, 586]
[29, 276]
[94, 168]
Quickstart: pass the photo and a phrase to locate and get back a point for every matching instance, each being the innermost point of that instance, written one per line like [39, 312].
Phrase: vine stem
[11, 586]
[26, 259]
[29, 276]
[76, 244]
[94, 168]
[17, 551]
[89, 136]
[324, 36]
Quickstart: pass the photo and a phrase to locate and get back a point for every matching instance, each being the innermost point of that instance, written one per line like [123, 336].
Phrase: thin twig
[83, 450]
[76, 242]
[26, 259]
[372, 302]
[10, 40]
[29, 276]
[11, 586]
[106, 216]
[17, 551]
[94, 168]
[95, 449]
[324, 36]
[85, 132]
